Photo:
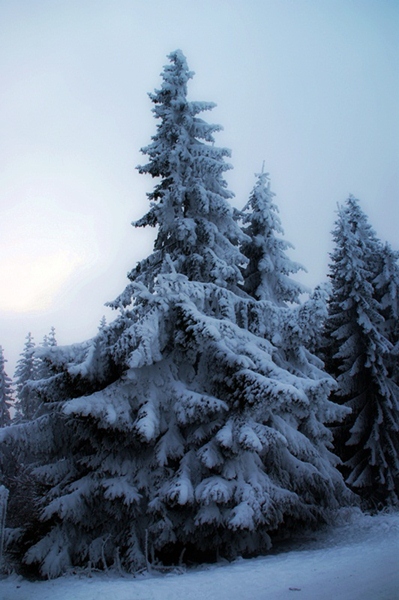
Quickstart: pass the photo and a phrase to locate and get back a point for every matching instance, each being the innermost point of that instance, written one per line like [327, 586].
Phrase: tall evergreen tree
[26, 371]
[358, 354]
[195, 420]
[386, 285]
[189, 204]
[267, 275]
[5, 393]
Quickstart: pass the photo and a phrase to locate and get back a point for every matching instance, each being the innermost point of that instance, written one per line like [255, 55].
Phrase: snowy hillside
[358, 560]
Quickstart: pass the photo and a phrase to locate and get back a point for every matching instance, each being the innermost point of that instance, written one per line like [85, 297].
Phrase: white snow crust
[356, 560]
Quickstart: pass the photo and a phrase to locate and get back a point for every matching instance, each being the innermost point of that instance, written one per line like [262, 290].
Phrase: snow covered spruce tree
[6, 401]
[43, 365]
[190, 422]
[359, 354]
[196, 231]
[386, 286]
[267, 275]
[30, 368]
[5, 393]
[26, 370]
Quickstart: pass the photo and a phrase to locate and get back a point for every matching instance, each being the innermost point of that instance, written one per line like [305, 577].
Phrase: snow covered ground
[357, 560]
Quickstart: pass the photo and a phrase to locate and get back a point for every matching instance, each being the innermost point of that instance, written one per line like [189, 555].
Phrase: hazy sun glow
[42, 247]
[33, 282]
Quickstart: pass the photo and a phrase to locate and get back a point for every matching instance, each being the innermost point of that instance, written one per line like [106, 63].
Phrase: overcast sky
[309, 86]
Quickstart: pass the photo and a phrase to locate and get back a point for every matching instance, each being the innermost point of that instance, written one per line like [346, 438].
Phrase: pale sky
[311, 87]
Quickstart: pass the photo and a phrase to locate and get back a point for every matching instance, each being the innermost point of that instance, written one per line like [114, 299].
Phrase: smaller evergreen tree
[103, 324]
[26, 371]
[43, 364]
[386, 285]
[51, 339]
[5, 393]
[267, 275]
[358, 353]
[6, 401]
